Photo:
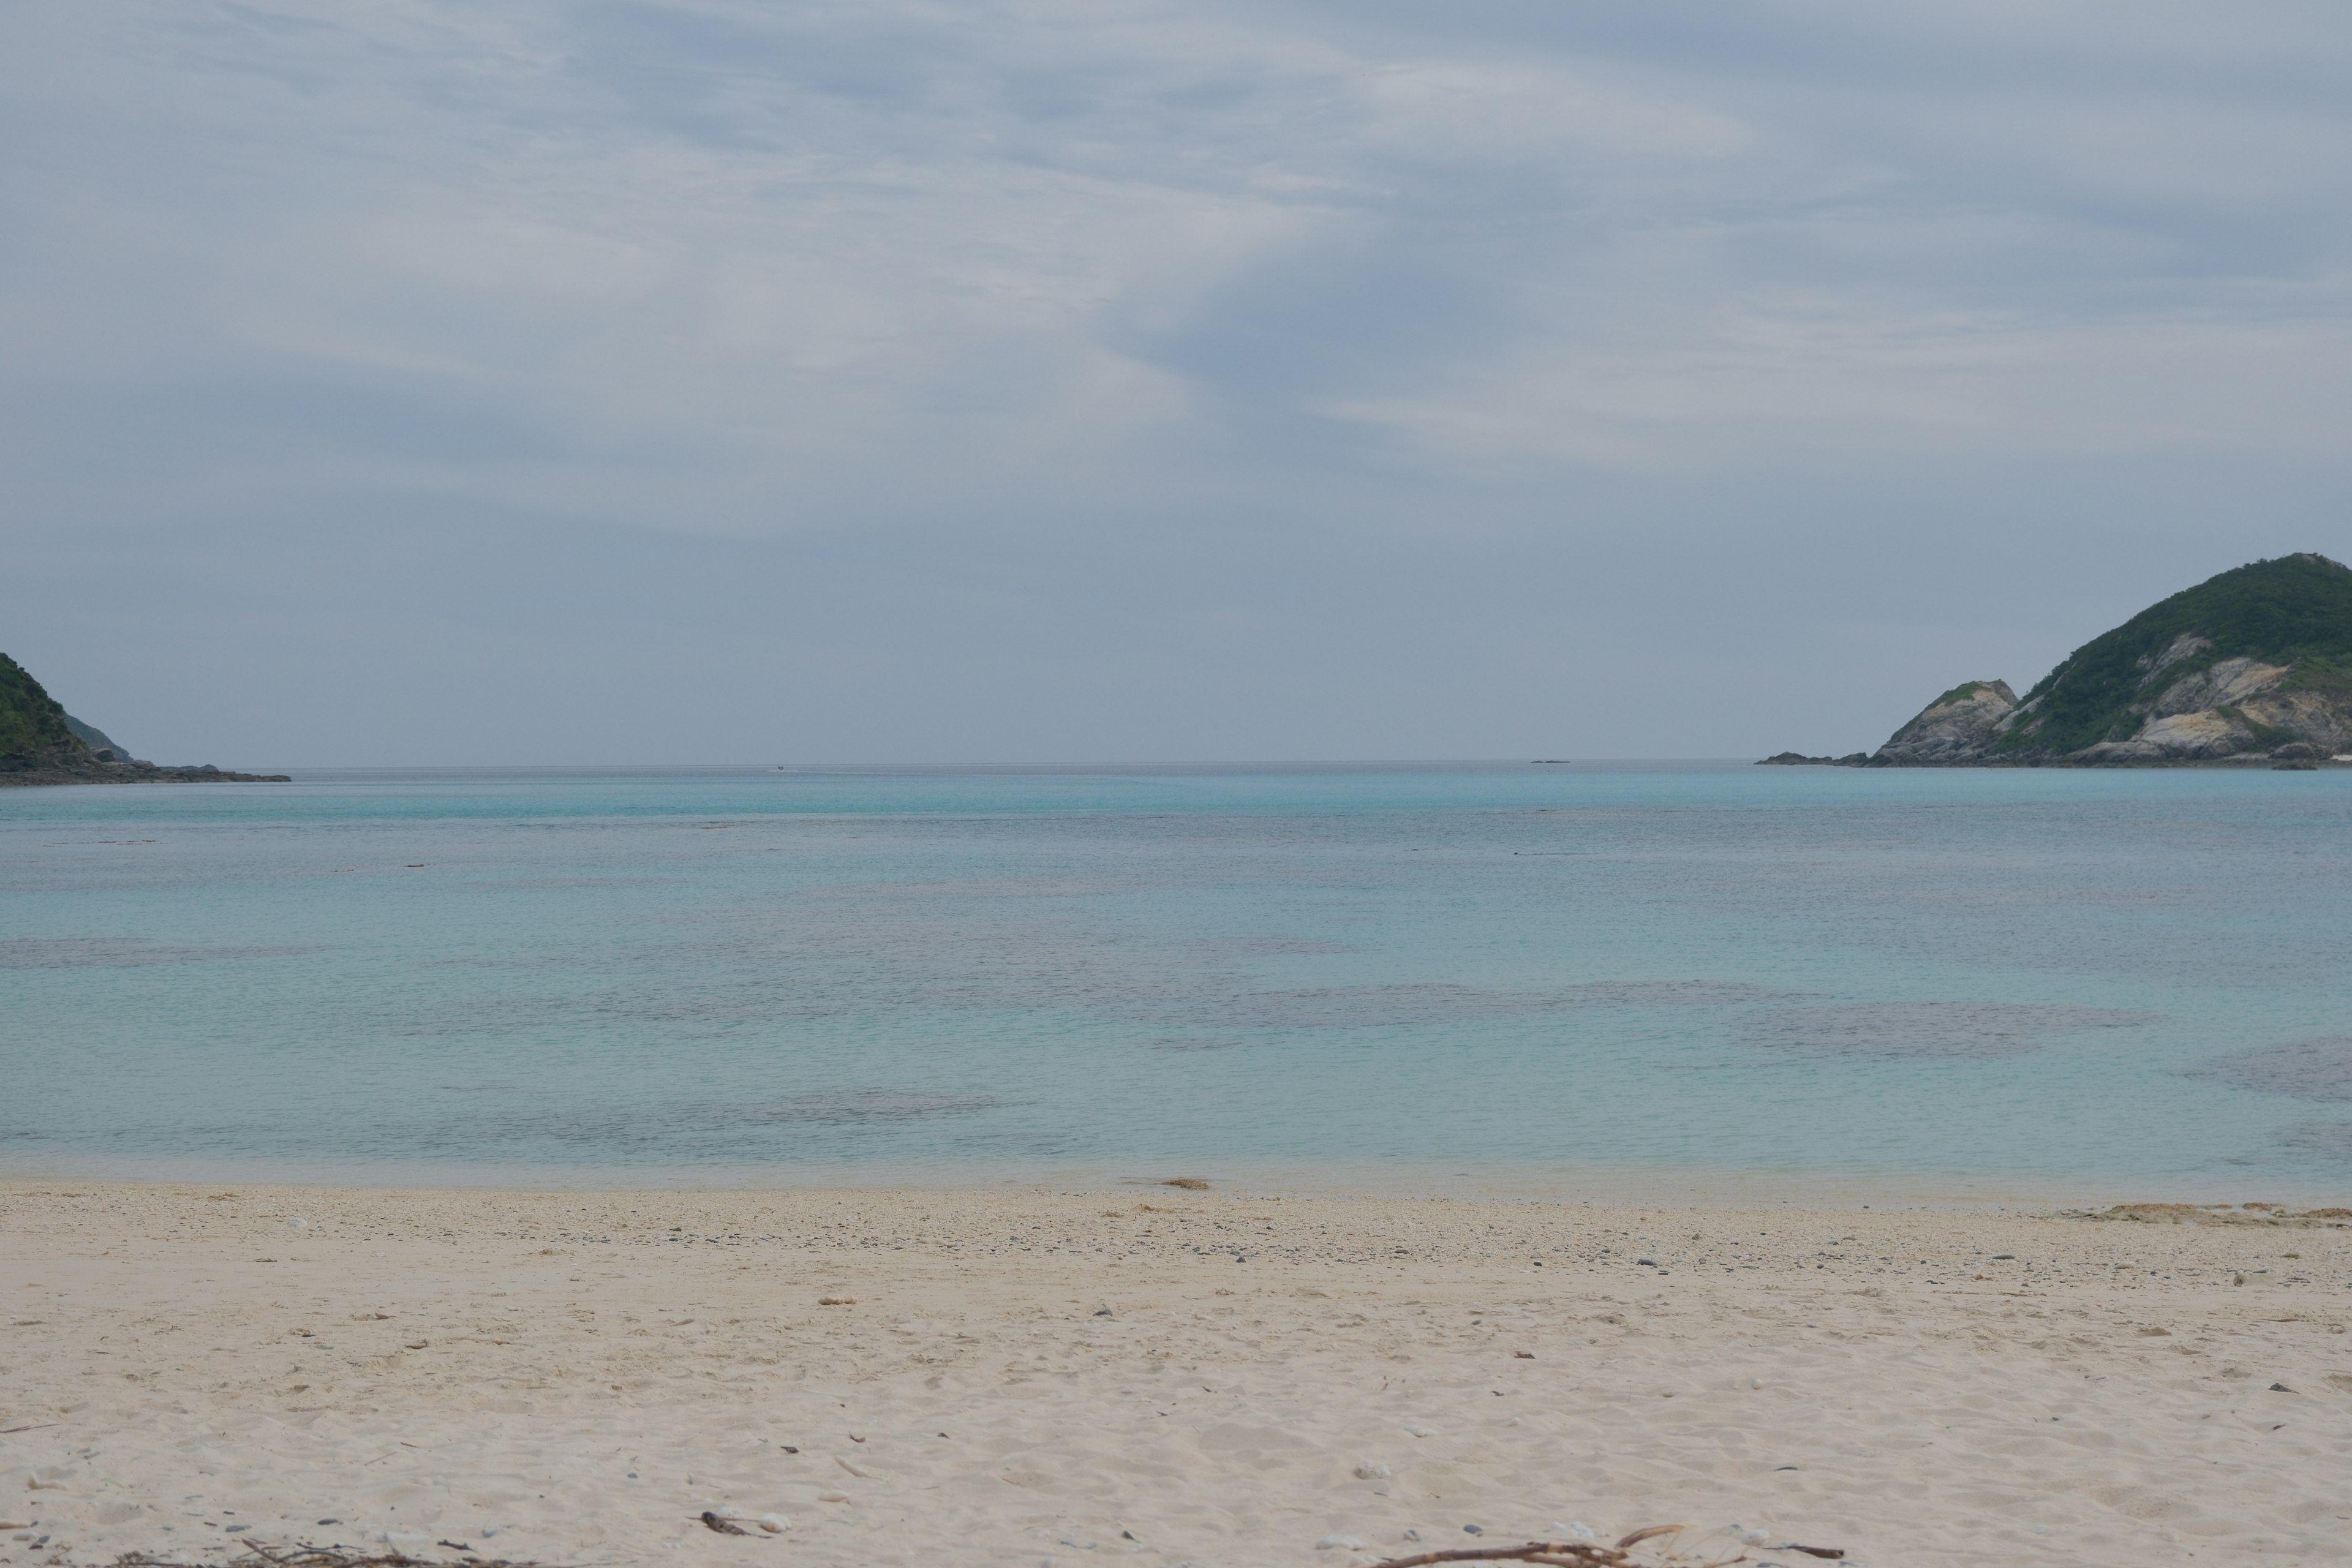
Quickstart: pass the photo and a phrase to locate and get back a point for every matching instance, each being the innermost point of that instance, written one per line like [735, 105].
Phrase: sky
[418, 382]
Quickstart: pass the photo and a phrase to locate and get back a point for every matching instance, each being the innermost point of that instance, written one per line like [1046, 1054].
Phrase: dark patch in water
[1670, 994]
[1212, 1043]
[1947, 1030]
[1287, 945]
[2318, 1070]
[826, 1107]
[122, 952]
[2330, 1140]
[847, 1106]
[1377, 1007]
[681, 1131]
[574, 884]
[718, 1128]
[1364, 1006]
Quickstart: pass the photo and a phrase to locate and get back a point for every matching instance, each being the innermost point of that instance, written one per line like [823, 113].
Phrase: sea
[1713, 981]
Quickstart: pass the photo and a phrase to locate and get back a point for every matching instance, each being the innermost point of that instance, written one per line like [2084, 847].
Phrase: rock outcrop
[1960, 726]
[2255, 663]
[18, 768]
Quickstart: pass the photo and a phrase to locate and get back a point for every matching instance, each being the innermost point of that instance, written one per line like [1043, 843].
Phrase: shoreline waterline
[1558, 1187]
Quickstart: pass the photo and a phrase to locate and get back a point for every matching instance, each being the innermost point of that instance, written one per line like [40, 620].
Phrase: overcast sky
[412, 381]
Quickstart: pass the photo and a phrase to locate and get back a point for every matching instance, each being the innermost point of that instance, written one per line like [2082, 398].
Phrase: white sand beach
[1033, 1377]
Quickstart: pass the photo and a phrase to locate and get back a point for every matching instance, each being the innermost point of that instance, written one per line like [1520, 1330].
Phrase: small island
[41, 743]
[2252, 667]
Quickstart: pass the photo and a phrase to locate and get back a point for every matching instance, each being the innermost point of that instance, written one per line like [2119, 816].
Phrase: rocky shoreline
[2297, 763]
[24, 769]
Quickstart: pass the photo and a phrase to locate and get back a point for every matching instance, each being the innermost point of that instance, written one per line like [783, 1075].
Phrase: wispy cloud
[903, 277]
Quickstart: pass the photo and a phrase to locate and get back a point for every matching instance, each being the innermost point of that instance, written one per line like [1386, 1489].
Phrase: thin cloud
[1172, 306]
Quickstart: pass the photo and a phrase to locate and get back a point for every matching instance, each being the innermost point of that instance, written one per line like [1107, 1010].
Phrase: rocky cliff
[1960, 726]
[2253, 664]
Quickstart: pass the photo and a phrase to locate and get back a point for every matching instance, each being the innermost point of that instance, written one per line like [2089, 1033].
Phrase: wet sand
[1027, 1377]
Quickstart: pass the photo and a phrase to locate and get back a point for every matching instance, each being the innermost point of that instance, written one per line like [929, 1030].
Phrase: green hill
[31, 721]
[2253, 664]
[2266, 649]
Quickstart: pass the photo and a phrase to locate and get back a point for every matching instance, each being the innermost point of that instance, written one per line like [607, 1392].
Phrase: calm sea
[1735, 978]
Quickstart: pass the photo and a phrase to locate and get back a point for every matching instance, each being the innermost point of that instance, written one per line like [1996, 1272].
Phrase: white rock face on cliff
[2221, 710]
[2195, 718]
[2203, 736]
[2253, 664]
[2215, 713]
[2229, 682]
[1960, 726]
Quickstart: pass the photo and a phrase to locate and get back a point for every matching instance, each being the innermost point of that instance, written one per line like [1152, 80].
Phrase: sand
[1034, 1377]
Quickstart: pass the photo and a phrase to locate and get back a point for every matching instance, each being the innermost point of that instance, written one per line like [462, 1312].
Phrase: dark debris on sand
[2222, 1213]
[257, 1555]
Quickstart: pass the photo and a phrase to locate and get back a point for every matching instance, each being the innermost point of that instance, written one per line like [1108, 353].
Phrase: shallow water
[1963, 981]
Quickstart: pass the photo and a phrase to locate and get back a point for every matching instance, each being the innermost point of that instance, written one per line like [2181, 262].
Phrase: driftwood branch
[258, 1555]
[1549, 1553]
[1563, 1556]
[1578, 1553]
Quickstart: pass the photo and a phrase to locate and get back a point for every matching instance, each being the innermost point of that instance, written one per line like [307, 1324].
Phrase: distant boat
[1550, 763]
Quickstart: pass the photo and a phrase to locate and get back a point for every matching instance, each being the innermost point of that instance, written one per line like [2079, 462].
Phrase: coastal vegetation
[31, 720]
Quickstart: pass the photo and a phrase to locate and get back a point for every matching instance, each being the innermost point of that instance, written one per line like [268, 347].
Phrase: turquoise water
[2106, 980]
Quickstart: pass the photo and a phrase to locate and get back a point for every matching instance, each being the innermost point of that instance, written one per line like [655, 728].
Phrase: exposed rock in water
[1799, 760]
[2253, 664]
